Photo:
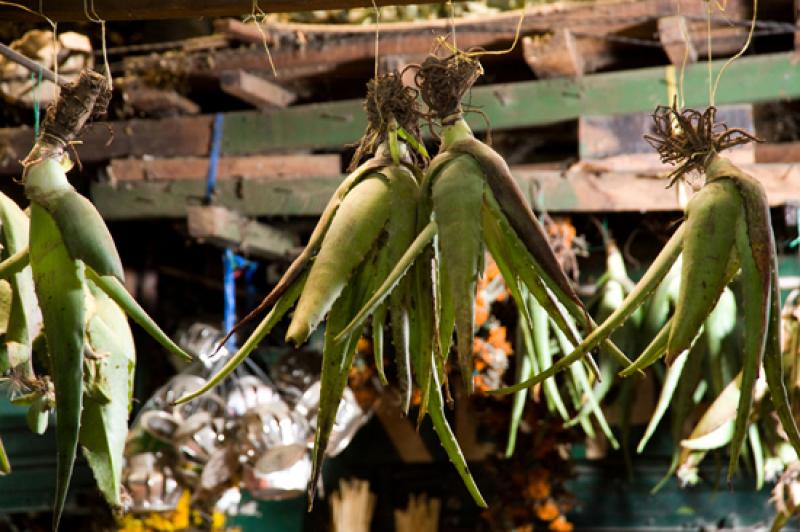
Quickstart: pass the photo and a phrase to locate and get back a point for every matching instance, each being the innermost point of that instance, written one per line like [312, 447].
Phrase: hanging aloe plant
[77, 278]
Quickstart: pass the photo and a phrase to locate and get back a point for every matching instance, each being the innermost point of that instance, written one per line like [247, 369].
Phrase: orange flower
[481, 315]
[497, 338]
[480, 384]
[491, 271]
[477, 345]
[364, 345]
[547, 510]
[416, 397]
[539, 487]
[560, 524]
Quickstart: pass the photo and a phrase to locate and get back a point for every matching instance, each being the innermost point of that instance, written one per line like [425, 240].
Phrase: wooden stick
[352, 506]
[31, 65]
[421, 515]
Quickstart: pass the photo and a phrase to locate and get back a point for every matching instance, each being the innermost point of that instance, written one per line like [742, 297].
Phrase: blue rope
[213, 156]
[233, 265]
[37, 84]
[229, 283]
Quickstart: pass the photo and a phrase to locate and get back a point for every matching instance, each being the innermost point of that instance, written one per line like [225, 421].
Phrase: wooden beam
[168, 137]
[673, 32]
[258, 92]
[585, 189]
[110, 10]
[157, 102]
[301, 196]
[196, 168]
[781, 152]
[226, 228]
[401, 431]
[306, 49]
[617, 142]
[797, 23]
[758, 78]
[553, 56]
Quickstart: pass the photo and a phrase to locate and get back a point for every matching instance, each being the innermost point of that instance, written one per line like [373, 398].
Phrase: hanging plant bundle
[465, 178]
[767, 443]
[726, 230]
[78, 282]
[546, 343]
[468, 177]
[366, 228]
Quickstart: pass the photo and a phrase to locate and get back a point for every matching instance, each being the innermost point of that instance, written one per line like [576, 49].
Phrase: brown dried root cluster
[443, 81]
[387, 100]
[688, 138]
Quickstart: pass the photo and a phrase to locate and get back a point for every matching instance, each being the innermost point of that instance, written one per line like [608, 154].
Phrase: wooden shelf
[333, 125]
[580, 190]
[110, 10]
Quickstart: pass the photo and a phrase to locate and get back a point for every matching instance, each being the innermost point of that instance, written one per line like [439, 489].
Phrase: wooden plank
[617, 142]
[226, 228]
[157, 102]
[258, 92]
[640, 192]
[301, 49]
[673, 32]
[252, 197]
[554, 56]
[781, 152]
[260, 166]
[797, 23]
[579, 190]
[758, 78]
[110, 10]
[169, 137]
[401, 431]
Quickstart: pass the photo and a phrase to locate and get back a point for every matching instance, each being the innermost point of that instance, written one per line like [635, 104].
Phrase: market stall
[469, 266]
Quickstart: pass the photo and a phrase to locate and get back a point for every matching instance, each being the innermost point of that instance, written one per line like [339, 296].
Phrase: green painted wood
[31, 484]
[279, 197]
[523, 104]
[607, 500]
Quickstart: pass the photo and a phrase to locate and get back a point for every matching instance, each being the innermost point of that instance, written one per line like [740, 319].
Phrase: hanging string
[94, 17]
[258, 16]
[686, 45]
[710, 57]
[452, 15]
[377, 38]
[52, 24]
[453, 48]
[738, 55]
